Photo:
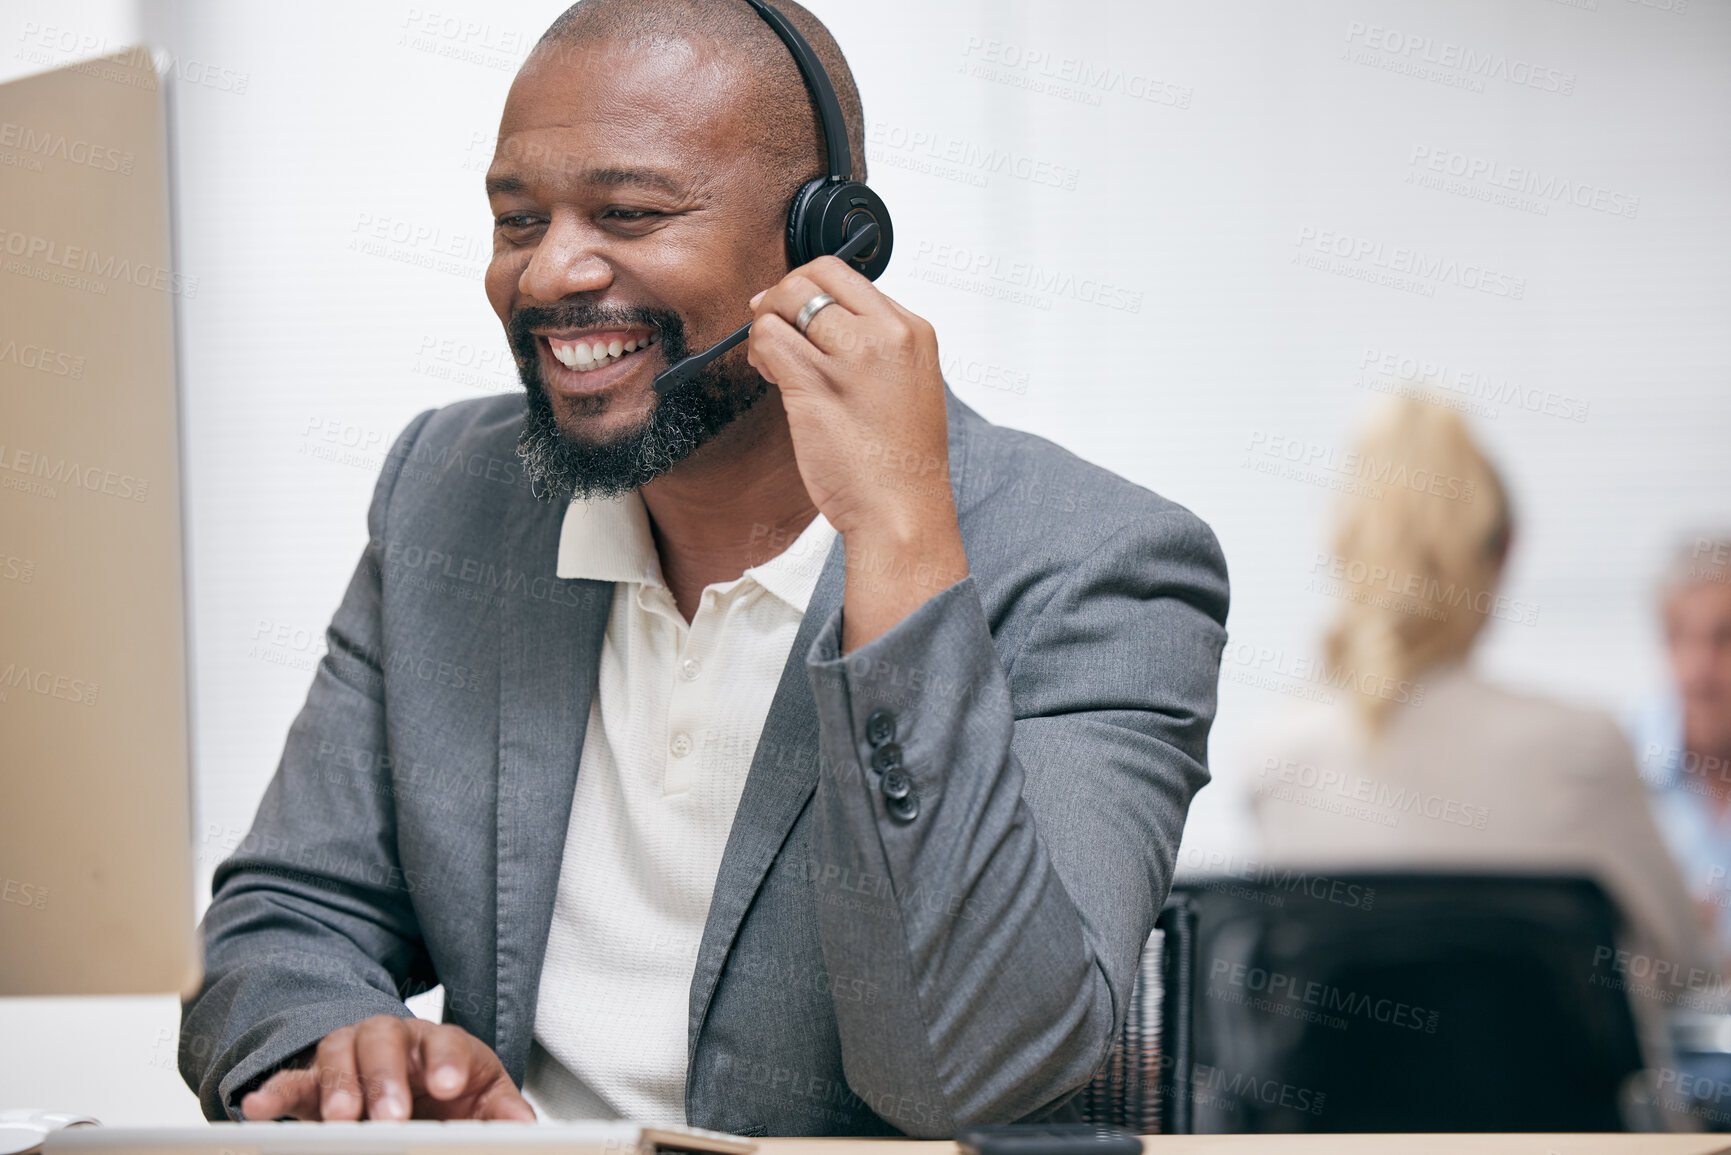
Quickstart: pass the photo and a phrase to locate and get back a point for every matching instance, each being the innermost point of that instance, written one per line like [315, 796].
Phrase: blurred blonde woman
[1418, 762]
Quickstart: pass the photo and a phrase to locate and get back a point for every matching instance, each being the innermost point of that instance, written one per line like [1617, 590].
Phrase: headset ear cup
[826, 213]
[800, 235]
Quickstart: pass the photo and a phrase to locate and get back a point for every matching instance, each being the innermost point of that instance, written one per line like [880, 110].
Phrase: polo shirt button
[681, 745]
[690, 668]
[887, 757]
[897, 785]
[904, 809]
[880, 727]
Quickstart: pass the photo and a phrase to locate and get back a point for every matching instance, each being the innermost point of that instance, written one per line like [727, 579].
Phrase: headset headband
[823, 94]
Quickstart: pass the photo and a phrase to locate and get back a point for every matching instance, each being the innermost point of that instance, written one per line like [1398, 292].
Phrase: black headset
[828, 211]
[831, 215]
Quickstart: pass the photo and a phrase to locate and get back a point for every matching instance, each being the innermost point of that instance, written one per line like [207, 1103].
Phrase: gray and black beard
[561, 467]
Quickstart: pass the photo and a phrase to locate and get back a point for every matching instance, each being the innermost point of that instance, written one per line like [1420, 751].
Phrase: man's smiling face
[633, 220]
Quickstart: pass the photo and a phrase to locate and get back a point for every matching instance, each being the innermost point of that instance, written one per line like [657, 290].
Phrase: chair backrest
[1145, 1083]
[1408, 1002]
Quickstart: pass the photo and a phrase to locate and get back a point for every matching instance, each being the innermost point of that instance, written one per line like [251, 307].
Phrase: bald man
[791, 753]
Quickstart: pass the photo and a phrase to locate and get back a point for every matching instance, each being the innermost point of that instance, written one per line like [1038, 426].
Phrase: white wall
[1206, 140]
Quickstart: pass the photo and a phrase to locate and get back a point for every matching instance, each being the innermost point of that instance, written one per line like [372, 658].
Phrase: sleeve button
[887, 757]
[904, 809]
[897, 785]
[880, 727]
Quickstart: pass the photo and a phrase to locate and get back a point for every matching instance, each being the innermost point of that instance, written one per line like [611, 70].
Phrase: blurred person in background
[1683, 736]
[1419, 762]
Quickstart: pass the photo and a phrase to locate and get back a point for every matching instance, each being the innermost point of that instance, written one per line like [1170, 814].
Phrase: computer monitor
[96, 870]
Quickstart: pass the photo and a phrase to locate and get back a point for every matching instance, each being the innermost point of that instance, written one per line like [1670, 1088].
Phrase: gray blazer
[861, 972]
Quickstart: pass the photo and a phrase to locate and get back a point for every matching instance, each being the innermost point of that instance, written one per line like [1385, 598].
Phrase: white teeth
[586, 355]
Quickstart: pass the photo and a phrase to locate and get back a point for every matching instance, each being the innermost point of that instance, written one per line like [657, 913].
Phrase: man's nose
[568, 261]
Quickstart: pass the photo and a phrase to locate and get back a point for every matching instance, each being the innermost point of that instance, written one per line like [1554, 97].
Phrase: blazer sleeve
[994, 840]
[310, 927]
[1616, 827]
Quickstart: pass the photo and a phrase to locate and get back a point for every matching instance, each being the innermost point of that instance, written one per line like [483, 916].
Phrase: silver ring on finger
[810, 310]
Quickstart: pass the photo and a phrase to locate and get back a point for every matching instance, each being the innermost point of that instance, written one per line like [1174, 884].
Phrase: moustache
[670, 329]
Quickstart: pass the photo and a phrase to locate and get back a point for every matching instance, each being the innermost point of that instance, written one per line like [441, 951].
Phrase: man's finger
[446, 1060]
[382, 1050]
[831, 328]
[504, 1101]
[339, 1088]
[286, 1093]
[846, 284]
[780, 354]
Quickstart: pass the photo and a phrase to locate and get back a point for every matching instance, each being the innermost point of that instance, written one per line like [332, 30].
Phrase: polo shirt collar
[609, 540]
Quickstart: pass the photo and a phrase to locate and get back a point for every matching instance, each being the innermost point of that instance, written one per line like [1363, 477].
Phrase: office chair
[1145, 1083]
[1409, 1002]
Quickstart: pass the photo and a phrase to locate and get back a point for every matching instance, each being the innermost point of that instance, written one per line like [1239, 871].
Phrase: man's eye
[516, 221]
[629, 214]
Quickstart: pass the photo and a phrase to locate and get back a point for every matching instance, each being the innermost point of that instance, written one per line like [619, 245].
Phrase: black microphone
[692, 365]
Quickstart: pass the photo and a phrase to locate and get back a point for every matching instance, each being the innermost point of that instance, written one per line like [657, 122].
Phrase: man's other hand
[387, 1067]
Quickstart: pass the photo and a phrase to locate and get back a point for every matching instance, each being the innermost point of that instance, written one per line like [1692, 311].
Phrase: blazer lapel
[782, 778]
[783, 773]
[549, 661]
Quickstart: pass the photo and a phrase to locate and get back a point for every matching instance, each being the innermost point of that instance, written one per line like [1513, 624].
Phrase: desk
[1318, 1145]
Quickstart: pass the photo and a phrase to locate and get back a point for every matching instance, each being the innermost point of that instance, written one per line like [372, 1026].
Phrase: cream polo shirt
[676, 717]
